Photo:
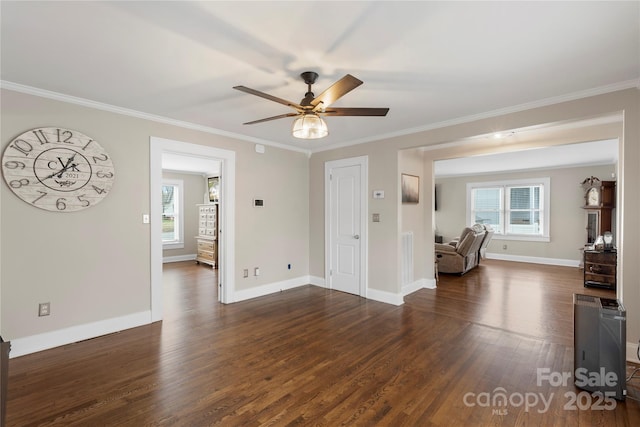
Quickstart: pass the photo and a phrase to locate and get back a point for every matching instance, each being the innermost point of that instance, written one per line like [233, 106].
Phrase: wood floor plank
[311, 356]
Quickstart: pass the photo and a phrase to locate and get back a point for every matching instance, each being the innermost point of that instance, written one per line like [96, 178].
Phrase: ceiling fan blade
[356, 111]
[335, 91]
[269, 97]
[281, 116]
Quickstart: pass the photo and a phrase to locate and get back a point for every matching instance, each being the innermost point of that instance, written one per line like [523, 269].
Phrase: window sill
[173, 245]
[522, 238]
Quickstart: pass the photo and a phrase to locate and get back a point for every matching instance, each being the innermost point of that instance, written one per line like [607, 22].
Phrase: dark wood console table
[600, 268]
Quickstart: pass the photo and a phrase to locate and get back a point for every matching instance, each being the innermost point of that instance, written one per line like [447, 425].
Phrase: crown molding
[30, 90]
[17, 87]
[601, 90]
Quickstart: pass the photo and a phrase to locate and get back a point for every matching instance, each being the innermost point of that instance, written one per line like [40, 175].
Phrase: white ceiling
[431, 63]
[560, 156]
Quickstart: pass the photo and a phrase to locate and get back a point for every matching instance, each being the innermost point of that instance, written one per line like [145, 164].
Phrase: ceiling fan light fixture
[309, 126]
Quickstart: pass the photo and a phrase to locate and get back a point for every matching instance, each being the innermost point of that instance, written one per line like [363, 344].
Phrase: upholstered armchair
[462, 254]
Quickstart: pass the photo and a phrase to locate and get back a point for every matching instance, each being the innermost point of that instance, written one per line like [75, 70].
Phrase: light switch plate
[378, 194]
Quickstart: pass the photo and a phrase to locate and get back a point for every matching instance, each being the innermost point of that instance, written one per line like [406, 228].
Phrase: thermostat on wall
[258, 203]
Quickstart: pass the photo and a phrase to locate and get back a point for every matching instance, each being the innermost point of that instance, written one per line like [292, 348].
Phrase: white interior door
[345, 226]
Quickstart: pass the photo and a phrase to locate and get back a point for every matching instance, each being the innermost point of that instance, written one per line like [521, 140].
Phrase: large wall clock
[57, 169]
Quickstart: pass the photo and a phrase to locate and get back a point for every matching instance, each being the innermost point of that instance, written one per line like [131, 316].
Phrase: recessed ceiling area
[593, 153]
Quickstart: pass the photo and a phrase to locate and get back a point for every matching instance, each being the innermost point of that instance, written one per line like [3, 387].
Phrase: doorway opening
[566, 163]
[226, 224]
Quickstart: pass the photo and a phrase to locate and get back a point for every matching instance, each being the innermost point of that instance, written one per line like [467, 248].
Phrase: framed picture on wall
[213, 187]
[410, 188]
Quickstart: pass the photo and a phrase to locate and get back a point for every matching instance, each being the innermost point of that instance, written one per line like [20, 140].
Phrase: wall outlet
[44, 309]
[256, 272]
[245, 273]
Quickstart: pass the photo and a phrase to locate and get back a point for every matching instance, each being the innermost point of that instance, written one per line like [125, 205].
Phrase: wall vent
[407, 258]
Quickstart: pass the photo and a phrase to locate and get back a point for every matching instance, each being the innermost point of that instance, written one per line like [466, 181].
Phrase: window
[172, 219]
[516, 210]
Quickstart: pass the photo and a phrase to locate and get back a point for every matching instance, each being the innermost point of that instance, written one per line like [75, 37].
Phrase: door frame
[363, 162]
[226, 232]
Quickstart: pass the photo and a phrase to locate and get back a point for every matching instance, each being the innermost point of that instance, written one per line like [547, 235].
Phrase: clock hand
[54, 174]
[60, 172]
[66, 167]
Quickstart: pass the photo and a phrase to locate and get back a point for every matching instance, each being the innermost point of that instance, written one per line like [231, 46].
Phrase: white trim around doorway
[226, 269]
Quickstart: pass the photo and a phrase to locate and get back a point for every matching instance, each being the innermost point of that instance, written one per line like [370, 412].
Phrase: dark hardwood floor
[310, 356]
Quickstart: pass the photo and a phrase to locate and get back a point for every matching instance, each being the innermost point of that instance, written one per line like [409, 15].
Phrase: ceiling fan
[309, 124]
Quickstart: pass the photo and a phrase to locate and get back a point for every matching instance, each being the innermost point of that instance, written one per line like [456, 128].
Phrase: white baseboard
[418, 284]
[47, 340]
[430, 284]
[534, 260]
[374, 294]
[384, 296]
[178, 258]
[270, 288]
[632, 352]
[412, 287]
[318, 281]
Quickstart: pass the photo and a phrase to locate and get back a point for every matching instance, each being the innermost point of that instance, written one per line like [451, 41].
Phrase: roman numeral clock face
[57, 169]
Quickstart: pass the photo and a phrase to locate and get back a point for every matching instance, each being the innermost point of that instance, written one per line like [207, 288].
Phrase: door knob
[357, 236]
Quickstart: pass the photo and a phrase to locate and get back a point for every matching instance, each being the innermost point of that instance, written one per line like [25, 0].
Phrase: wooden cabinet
[600, 268]
[207, 234]
[608, 194]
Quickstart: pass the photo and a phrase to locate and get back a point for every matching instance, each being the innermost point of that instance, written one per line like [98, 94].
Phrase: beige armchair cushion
[445, 248]
[466, 243]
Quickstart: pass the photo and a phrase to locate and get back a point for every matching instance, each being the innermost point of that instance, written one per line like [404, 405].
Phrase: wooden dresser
[207, 234]
[600, 268]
